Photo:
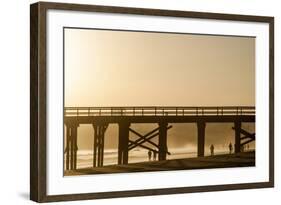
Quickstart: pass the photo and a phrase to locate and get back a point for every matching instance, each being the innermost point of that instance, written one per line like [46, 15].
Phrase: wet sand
[245, 159]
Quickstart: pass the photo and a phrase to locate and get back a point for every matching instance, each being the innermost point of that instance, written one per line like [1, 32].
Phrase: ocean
[85, 157]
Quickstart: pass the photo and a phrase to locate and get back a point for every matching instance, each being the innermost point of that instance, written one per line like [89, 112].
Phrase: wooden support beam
[142, 137]
[148, 148]
[251, 136]
[98, 147]
[126, 142]
[75, 147]
[123, 145]
[162, 141]
[67, 146]
[201, 125]
[71, 146]
[71, 149]
[246, 134]
[138, 143]
[135, 144]
[247, 141]
[103, 129]
[237, 128]
[95, 146]
[145, 147]
[145, 138]
[120, 147]
[102, 146]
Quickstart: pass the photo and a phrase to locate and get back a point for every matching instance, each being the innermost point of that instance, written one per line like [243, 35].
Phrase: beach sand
[244, 159]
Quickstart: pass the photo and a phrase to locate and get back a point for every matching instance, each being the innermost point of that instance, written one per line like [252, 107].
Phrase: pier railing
[159, 111]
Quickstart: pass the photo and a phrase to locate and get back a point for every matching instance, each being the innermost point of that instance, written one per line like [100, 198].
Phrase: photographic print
[153, 101]
[136, 102]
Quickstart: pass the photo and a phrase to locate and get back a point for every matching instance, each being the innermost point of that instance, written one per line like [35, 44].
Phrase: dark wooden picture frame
[38, 100]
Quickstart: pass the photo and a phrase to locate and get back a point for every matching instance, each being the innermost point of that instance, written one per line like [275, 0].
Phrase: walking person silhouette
[212, 148]
[149, 155]
[154, 155]
[230, 148]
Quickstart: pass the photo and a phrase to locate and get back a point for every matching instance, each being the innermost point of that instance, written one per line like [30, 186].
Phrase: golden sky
[124, 68]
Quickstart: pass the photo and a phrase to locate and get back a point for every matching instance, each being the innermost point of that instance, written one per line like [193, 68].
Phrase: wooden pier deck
[243, 159]
[101, 117]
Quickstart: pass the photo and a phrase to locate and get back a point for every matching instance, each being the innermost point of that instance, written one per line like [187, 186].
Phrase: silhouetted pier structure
[101, 117]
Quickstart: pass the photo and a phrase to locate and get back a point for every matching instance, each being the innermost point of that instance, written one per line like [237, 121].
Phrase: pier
[101, 117]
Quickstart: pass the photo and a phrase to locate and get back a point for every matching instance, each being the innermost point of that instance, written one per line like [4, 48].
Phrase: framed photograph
[134, 102]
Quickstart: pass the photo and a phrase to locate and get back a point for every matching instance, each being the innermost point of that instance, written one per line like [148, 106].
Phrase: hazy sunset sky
[122, 68]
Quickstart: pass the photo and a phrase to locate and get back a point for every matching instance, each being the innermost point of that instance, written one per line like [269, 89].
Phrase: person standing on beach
[212, 148]
[149, 155]
[230, 148]
[154, 155]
